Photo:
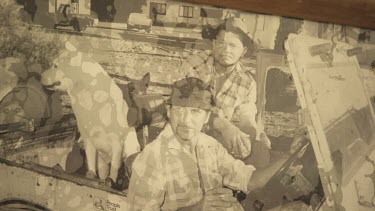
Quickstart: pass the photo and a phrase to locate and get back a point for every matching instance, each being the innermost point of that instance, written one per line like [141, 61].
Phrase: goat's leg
[103, 168]
[115, 162]
[91, 155]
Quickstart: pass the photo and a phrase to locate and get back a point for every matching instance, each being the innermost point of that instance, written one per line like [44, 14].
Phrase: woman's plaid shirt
[236, 99]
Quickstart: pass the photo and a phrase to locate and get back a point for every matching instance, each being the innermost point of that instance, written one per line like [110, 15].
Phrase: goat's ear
[146, 79]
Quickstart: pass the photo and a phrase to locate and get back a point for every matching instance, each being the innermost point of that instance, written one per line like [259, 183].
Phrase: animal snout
[51, 86]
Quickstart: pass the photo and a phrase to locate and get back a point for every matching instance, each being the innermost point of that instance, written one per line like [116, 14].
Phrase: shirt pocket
[184, 181]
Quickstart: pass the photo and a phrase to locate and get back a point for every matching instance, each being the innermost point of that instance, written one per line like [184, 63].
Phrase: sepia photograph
[111, 105]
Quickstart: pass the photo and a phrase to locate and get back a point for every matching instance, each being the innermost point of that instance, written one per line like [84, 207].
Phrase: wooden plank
[359, 13]
[56, 190]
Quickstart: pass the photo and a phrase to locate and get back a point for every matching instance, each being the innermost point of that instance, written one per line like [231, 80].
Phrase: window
[211, 13]
[74, 8]
[159, 9]
[204, 13]
[186, 11]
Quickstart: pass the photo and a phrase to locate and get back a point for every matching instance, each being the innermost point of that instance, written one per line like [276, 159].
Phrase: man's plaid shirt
[236, 99]
[165, 175]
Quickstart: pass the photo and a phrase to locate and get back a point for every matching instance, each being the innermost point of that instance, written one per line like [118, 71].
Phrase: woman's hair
[233, 26]
[223, 27]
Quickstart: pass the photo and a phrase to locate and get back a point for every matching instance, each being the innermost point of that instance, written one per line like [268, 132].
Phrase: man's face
[187, 122]
[228, 48]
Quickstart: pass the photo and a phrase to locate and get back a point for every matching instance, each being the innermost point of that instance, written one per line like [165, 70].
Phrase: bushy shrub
[20, 39]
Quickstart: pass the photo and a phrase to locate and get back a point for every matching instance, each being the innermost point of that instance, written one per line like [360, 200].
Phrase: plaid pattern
[166, 175]
[236, 99]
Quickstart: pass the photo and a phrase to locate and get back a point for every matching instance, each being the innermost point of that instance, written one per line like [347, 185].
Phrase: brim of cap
[250, 44]
[192, 104]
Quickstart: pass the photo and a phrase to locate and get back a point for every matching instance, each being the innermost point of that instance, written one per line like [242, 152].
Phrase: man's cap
[191, 92]
[238, 25]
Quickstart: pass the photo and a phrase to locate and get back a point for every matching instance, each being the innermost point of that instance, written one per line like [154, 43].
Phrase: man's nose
[224, 46]
[187, 116]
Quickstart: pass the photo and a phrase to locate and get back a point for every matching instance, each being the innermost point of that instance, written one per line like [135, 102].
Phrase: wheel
[75, 25]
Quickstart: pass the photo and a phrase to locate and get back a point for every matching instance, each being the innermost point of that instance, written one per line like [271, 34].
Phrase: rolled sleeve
[147, 185]
[246, 113]
[236, 174]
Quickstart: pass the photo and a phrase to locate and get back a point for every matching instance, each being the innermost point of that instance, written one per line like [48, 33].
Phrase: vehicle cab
[323, 87]
[139, 21]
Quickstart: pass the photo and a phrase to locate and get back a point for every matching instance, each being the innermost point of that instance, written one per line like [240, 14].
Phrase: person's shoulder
[212, 144]
[247, 72]
[153, 147]
[208, 140]
[158, 146]
[150, 155]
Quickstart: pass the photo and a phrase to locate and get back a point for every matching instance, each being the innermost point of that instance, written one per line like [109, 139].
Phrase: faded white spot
[94, 82]
[115, 91]
[73, 99]
[77, 60]
[96, 131]
[100, 96]
[51, 202]
[146, 64]
[67, 189]
[19, 143]
[92, 68]
[116, 96]
[45, 158]
[70, 47]
[113, 137]
[94, 42]
[75, 202]
[131, 144]
[105, 114]
[85, 99]
[66, 84]
[58, 76]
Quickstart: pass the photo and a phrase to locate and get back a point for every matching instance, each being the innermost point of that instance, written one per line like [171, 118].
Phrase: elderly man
[234, 88]
[185, 169]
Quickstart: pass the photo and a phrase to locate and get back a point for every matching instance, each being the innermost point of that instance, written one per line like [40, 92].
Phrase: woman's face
[228, 48]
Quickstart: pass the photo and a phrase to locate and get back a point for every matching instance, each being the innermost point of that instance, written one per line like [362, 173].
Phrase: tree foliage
[20, 39]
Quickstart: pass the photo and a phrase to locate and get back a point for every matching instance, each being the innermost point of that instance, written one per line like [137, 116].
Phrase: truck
[317, 86]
